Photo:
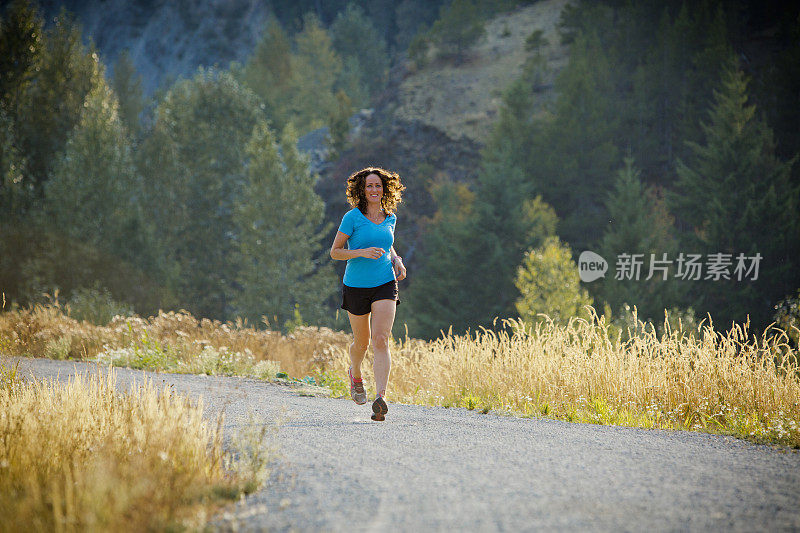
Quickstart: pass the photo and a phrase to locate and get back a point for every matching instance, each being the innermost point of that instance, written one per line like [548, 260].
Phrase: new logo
[591, 266]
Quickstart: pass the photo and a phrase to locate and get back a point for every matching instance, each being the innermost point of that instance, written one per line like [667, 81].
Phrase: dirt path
[436, 469]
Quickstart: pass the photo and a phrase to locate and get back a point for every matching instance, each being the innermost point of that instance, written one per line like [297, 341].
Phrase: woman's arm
[397, 264]
[340, 253]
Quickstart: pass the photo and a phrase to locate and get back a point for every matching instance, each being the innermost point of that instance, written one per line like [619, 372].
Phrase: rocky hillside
[171, 38]
[463, 100]
[431, 123]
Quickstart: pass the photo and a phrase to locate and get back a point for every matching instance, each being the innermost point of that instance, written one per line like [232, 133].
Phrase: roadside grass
[170, 341]
[585, 371]
[84, 456]
[727, 383]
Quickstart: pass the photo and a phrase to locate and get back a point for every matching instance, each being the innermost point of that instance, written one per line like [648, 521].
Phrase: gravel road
[436, 469]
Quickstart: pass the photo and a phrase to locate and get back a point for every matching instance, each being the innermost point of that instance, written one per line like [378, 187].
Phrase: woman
[369, 289]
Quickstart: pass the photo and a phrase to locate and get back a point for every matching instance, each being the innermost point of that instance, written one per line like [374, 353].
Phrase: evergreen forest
[669, 148]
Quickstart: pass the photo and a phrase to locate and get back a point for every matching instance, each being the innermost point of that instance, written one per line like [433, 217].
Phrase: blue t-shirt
[364, 233]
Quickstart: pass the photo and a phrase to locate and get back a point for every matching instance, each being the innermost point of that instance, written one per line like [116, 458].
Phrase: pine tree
[94, 210]
[511, 221]
[661, 98]
[194, 165]
[484, 235]
[738, 197]
[708, 38]
[459, 26]
[53, 128]
[472, 248]
[665, 59]
[21, 29]
[340, 122]
[441, 293]
[315, 69]
[127, 84]
[638, 224]
[312, 264]
[277, 219]
[777, 91]
[575, 156]
[383, 16]
[90, 192]
[14, 198]
[53, 103]
[301, 86]
[363, 53]
[413, 17]
[268, 72]
[350, 82]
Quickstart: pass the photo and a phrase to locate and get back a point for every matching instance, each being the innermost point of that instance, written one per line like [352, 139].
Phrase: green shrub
[549, 284]
[536, 41]
[787, 317]
[95, 305]
[57, 348]
[460, 25]
[149, 354]
[418, 50]
[629, 323]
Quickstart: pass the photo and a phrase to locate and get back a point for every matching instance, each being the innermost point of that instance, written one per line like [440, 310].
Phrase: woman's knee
[360, 345]
[380, 341]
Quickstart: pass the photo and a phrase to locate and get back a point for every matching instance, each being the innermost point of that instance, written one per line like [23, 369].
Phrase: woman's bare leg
[358, 348]
[382, 319]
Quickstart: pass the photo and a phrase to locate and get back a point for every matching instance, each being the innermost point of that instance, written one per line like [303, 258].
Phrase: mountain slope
[168, 39]
[463, 100]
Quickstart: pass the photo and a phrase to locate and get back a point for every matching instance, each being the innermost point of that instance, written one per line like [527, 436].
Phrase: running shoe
[379, 409]
[357, 392]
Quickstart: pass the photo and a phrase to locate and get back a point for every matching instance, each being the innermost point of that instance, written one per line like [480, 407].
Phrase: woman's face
[373, 187]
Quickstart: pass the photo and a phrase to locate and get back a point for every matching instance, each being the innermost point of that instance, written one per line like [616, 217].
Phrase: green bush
[627, 323]
[460, 25]
[95, 305]
[150, 354]
[787, 317]
[57, 348]
[418, 50]
[549, 284]
[536, 41]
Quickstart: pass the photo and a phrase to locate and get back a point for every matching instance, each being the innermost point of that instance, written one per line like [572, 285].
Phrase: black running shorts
[359, 300]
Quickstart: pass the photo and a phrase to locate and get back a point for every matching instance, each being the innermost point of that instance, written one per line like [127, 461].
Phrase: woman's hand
[399, 269]
[373, 252]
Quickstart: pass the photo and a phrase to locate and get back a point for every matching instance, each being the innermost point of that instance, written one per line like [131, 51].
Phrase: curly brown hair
[356, 183]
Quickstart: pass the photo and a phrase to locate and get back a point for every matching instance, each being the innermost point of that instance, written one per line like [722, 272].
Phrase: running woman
[369, 288]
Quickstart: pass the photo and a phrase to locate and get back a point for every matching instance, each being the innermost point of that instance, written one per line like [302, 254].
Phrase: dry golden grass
[173, 341]
[83, 456]
[46, 331]
[297, 353]
[730, 383]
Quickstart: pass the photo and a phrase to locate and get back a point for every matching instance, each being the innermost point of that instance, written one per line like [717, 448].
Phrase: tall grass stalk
[730, 383]
[586, 370]
[170, 341]
[83, 456]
